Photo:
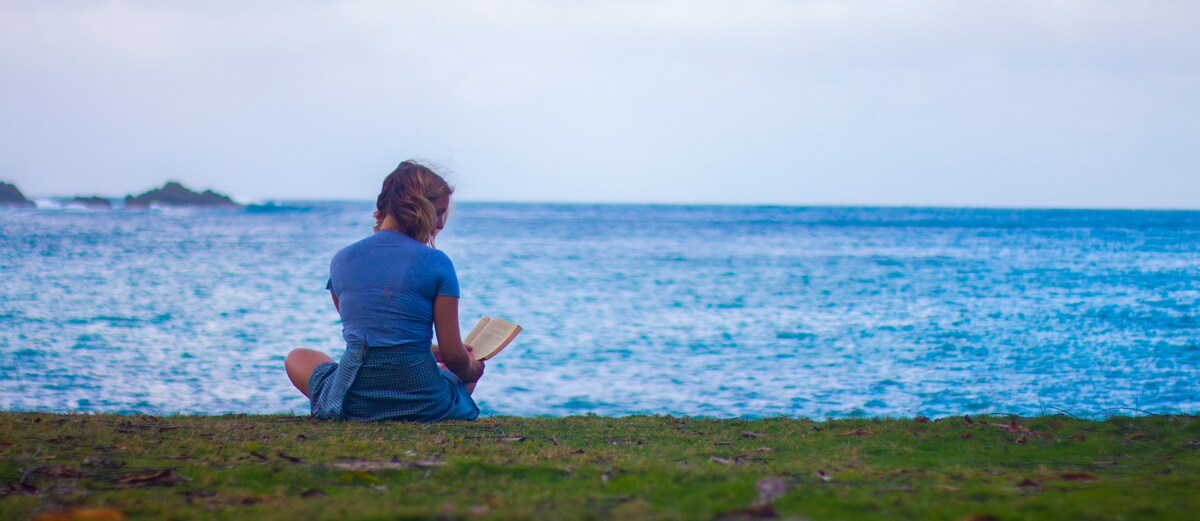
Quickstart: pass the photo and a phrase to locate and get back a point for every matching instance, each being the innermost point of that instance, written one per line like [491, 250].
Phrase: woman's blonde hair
[408, 194]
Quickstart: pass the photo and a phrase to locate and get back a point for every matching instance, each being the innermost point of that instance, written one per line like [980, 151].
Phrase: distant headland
[173, 193]
[94, 202]
[10, 195]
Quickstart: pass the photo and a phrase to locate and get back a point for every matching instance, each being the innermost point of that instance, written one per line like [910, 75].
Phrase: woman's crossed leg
[300, 364]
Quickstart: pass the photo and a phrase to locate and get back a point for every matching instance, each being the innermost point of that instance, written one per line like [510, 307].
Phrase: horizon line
[934, 206]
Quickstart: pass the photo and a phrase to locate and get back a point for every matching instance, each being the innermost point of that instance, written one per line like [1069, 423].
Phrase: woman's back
[386, 285]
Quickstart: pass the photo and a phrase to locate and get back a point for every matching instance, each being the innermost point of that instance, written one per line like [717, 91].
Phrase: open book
[490, 335]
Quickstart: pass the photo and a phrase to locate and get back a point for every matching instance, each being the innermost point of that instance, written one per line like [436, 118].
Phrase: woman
[389, 289]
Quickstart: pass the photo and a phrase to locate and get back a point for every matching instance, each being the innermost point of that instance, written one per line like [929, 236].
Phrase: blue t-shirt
[386, 285]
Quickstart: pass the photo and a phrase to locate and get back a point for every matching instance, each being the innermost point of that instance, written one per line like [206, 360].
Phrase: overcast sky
[1042, 103]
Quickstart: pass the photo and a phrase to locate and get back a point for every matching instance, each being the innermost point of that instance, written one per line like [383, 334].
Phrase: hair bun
[407, 196]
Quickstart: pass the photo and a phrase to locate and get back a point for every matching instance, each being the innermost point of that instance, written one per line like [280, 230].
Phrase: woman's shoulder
[444, 260]
[388, 242]
[361, 244]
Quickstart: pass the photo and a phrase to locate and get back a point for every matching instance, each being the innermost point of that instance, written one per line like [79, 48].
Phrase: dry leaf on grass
[313, 492]
[292, 459]
[1135, 436]
[62, 471]
[1078, 476]
[18, 488]
[855, 432]
[366, 465]
[161, 477]
[1029, 483]
[752, 512]
[254, 500]
[82, 514]
[202, 493]
[99, 461]
[427, 463]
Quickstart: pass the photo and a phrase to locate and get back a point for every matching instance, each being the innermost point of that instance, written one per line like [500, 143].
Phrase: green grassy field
[55, 466]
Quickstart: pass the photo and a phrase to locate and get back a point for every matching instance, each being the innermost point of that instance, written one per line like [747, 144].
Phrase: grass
[76, 466]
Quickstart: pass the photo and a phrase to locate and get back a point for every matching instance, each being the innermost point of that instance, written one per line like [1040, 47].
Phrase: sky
[1039, 103]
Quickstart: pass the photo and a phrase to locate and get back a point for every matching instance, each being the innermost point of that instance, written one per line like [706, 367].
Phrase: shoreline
[1105, 414]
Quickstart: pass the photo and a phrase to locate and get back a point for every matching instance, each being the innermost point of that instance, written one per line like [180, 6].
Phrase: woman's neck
[389, 223]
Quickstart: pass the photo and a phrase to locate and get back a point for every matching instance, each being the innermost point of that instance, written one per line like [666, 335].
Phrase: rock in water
[95, 203]
[11, 196]
[175, 194]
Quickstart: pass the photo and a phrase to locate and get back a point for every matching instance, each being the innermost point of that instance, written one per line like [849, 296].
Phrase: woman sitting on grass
[389, 289]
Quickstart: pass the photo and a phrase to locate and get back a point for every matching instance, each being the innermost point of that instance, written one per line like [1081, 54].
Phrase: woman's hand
[476, 371]
[458, 357]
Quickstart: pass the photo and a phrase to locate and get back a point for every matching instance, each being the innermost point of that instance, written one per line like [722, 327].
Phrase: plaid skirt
[388, 383]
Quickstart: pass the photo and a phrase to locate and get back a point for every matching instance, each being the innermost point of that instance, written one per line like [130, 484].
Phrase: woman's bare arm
[450, 346]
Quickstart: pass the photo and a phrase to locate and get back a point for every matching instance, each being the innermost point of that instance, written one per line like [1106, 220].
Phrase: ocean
[720, 311]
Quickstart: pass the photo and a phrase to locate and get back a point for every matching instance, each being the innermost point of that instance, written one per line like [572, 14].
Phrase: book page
[470, 338]
[490, 335]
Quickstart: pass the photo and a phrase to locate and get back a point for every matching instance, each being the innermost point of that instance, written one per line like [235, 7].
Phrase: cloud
[933, 102]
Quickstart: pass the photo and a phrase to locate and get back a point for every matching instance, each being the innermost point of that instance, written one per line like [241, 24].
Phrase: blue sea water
[688, 310]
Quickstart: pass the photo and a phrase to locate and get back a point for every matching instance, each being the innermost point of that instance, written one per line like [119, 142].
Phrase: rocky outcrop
[94, 203]
[175, 194]
[10, 195]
